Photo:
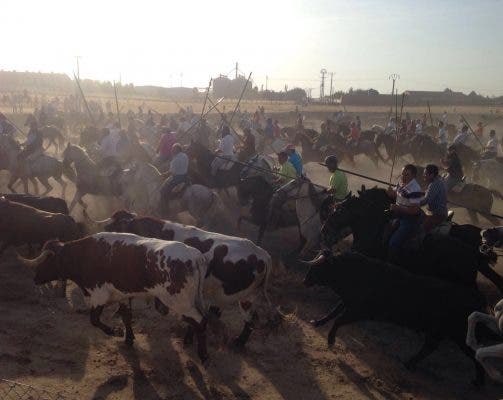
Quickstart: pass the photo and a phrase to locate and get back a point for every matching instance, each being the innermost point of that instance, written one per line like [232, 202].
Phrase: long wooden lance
[429, 111]
[117, 105]
[240, 97]
[206, 97]
[471, 130]
[84, 98]
[206, 113]
[222, 115]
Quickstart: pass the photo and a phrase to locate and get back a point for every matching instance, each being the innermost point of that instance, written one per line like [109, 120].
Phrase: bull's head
[119, 221]
[47, 265]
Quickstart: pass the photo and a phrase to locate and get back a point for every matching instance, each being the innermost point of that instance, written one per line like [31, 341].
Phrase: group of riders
[170, 153]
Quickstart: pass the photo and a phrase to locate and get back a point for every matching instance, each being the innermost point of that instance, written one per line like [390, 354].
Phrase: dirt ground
[50, 344]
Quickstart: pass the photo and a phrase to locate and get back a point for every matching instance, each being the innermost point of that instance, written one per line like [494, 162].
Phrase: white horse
[142, 192]
[487, 355]
[308, 200]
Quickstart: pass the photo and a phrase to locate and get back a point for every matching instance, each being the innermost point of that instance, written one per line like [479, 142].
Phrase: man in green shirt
[338, 181]
[287, 170]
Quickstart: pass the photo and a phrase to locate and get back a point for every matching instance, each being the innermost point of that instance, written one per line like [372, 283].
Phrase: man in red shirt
[166, 143]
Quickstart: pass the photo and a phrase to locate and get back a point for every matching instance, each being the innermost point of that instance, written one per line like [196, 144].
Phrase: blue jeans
[408, 226]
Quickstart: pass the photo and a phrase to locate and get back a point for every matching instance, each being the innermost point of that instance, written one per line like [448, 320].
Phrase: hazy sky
[431, 44]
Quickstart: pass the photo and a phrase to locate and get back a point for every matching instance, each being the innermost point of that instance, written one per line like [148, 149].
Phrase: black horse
[260, 192]
[202, 173]
[454, 258]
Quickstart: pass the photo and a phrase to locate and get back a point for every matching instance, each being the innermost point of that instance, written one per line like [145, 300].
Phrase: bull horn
[35, 262]
[89, 219]
[317, 261]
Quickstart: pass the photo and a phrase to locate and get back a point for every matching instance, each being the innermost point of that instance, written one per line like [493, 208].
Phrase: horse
[41, 168]
[454, 257]
[201, 170]
[141, 192]
[51, 133]
[268, 206]
[89, 178]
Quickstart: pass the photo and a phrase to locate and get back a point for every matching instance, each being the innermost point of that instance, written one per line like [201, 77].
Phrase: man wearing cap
[338, 184]
[295, 159]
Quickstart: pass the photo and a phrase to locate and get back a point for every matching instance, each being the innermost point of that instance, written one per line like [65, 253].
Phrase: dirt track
[45, 343]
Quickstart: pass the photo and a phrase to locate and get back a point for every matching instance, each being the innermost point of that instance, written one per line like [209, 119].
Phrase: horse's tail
[69, 172]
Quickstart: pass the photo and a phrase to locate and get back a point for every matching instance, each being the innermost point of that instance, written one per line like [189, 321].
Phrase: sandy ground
[46, 343]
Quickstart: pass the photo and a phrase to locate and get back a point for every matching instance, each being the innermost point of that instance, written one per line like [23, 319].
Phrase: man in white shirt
[225, 150]
[407, 209]
[442, 135]
[178, 167]
[108, 146]
[462, 136]
[491, 149]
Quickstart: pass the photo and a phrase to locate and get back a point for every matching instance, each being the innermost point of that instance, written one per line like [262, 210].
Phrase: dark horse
[202, 171]
[260, 192]
[454, 258]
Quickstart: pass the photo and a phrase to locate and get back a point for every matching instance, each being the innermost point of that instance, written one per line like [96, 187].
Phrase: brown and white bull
[21, 224]
[114, 267]
[238, 269]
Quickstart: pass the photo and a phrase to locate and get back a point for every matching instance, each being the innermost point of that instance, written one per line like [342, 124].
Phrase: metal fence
[10, 390]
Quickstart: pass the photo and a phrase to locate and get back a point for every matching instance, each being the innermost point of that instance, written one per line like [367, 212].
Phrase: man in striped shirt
[407, 210]
[435, 198]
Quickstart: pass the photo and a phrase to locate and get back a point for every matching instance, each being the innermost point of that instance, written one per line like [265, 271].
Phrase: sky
[430, 44]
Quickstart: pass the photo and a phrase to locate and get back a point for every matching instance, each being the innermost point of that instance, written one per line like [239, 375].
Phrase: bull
[238, 269]
[49, 203]
[371, 289]
[115, 267]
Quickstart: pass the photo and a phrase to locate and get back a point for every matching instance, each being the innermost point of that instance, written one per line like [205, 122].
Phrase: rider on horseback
[407, 210]
[435, 198]
[33, 147]
[295, 159]
[354, 135]
[287, 170]
[491, 149]
[454, 169]
[178, 168]
[338, 181]
[225, 150]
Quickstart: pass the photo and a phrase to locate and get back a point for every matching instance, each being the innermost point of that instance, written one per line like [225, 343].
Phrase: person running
[435, 198]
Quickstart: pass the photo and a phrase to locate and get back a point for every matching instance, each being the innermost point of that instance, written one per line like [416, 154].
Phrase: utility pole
[394, 78]
[266, 82]
[331, 88]
[78, 66]
[237, 70]
[322, 85]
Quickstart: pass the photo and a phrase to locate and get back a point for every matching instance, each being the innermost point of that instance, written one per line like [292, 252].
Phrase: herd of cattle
[194, 273]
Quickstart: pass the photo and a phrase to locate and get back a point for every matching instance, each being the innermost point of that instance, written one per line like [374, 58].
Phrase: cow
[237, 270]
[114, 267]
[371, 289]
[49, 203]
[21, 224]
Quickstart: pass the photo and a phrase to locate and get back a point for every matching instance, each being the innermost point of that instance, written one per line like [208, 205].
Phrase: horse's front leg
[76, 198]
[34, 182]
[13, 179]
